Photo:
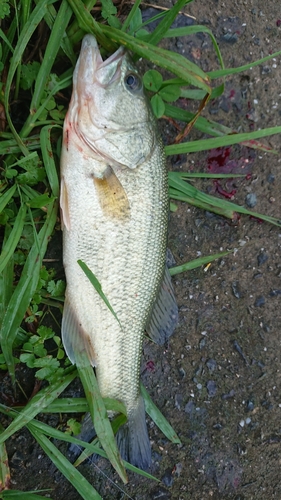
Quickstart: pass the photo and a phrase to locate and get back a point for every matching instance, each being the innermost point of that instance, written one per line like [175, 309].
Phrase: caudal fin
[133, 440]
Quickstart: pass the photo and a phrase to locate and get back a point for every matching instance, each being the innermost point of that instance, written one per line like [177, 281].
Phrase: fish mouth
[93, 69]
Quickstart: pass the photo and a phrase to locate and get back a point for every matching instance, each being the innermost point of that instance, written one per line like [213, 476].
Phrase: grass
[29, 190]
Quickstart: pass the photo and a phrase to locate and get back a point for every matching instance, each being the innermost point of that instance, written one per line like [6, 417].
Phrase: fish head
[109, 110]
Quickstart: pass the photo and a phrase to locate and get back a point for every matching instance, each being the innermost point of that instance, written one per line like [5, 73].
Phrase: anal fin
[164, 316]
[76, 341]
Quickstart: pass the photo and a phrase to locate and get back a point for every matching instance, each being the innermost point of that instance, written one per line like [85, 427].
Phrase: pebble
[260, 301]
[262, 258]
[211, 388]
[270, 178]
[211, 365]
[250, 405]
[167, 479]
[236, 290]
[251, 200]
[275, 292]
[160, 494]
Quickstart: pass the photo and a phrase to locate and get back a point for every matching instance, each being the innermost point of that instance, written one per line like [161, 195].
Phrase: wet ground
[218, 381]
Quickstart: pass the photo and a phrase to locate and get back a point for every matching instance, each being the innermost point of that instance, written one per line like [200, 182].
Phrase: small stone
[275, 292]
[167, 479]
[262, 258]
[248, 420]
[259, 302]
[160, 494]
[211, 388]
[250, 405]
[270, 178]
[236, 290]
[211, 365]
[251, 200]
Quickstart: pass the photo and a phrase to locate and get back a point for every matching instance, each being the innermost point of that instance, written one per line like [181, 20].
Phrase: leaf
[56, 288]
[29, 74]
[158, 106]
[152, 80]
[108, 9]
[170, 93]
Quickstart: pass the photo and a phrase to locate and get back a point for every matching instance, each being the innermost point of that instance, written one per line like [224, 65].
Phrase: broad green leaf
[158, 105]
[170, 93]
[152, 80]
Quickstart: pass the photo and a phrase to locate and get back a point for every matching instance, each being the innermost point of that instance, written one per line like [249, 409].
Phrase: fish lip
[90, 57]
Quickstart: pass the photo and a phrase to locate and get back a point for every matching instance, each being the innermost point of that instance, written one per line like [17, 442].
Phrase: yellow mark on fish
[112, 196]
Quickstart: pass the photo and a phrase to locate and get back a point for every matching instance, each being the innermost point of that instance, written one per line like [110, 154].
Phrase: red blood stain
[150, 366]
[229, 195]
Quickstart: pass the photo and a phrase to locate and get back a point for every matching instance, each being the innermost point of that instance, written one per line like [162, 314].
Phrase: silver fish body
[114, 202]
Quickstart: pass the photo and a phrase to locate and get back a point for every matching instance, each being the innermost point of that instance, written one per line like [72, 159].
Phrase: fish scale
[114, 201]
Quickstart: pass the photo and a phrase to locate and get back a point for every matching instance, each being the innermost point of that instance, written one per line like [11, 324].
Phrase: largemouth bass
[114, 202]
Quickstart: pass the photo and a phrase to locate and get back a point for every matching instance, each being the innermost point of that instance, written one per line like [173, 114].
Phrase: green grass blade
[158, 418]
[161, 30]
[6, 197]
[48, 158]
[190, 30]
[80, 483]
[6, 281]
[228, 140]
[40, 401]
[99, 416]
[201, 261]
[231, 71]
[130, 16]
[182, 190]
[97, 286]
[80, 405]
[13, 239]
[11, 145]
[4, 466]
[22, 495]
[25, 288]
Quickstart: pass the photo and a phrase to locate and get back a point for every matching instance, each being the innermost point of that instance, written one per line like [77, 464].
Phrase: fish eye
[133, 82]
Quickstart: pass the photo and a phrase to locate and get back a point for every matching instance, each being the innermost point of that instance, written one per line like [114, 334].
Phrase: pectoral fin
[76, 342]
[164, 316]
[65, 219]
[112, 196]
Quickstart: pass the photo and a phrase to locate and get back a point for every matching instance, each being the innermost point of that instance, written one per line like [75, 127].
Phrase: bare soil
[218, 381]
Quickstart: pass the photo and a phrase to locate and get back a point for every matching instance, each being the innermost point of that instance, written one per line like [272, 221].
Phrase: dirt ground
[218, 381]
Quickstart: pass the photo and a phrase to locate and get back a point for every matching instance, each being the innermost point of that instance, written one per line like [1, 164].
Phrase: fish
[114, 205]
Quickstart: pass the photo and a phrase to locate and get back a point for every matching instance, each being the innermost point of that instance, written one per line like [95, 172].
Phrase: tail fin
[133, 440]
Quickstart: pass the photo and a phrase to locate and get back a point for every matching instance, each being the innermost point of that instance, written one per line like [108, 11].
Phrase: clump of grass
[29, 190]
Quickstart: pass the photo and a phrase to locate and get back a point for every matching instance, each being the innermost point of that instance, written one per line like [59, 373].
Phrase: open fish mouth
[92, 68]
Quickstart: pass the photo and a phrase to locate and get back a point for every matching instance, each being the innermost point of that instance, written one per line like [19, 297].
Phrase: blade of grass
[210, 127]
[40, 401]
[193, 264]
[182, 190]
[48, 158]
[160, 31]
[80, 483]
[13, 239]
[97, 286]
[6, 197]
[5, 475]
[80, 405]
[99, 415]
[228, 140]
[22, 495]
[231, 71]
[158, 418]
